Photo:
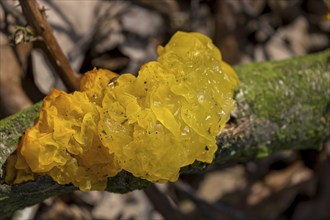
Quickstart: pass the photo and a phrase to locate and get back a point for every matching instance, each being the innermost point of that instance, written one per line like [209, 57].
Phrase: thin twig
[206, 206]
[38, 22]
[11, 10]
[162, 204]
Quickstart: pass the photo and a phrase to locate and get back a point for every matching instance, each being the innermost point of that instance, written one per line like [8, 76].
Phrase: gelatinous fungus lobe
[169, 115]
[64, 143]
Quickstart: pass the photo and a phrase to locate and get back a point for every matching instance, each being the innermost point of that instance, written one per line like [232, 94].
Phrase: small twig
[162, 204]
[11, 10]
[38, 22]
[206, 206]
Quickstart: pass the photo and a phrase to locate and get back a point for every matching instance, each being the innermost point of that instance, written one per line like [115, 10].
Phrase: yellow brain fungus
[150, 125]
[64, 143]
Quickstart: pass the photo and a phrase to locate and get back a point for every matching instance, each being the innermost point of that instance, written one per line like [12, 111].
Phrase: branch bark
[280, 105]
[36, 18]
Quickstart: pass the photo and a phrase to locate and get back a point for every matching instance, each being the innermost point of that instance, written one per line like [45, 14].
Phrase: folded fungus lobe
[150, 125]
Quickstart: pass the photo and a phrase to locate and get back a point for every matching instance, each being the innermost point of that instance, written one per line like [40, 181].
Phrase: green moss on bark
[280, 105]
[12, 128]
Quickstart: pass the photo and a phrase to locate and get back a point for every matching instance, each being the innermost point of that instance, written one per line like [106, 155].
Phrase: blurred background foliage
[121, 36]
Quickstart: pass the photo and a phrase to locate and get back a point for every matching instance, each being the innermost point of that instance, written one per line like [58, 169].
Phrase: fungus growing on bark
[150, 125]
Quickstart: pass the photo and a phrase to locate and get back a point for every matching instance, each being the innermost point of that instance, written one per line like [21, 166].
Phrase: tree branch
[280, 105]
[36, 18]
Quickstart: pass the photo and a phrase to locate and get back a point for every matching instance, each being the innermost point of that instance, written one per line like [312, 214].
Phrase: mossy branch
[280, 105]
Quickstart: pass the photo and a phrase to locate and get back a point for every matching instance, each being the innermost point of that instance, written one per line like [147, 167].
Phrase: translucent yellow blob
[64, 141]
[150, 125]
[169, 115]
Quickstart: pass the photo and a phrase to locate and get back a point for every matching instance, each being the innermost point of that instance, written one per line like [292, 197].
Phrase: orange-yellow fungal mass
[150, 125]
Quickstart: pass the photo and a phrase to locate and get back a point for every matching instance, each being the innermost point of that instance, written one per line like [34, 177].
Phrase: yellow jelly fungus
[150, 125]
